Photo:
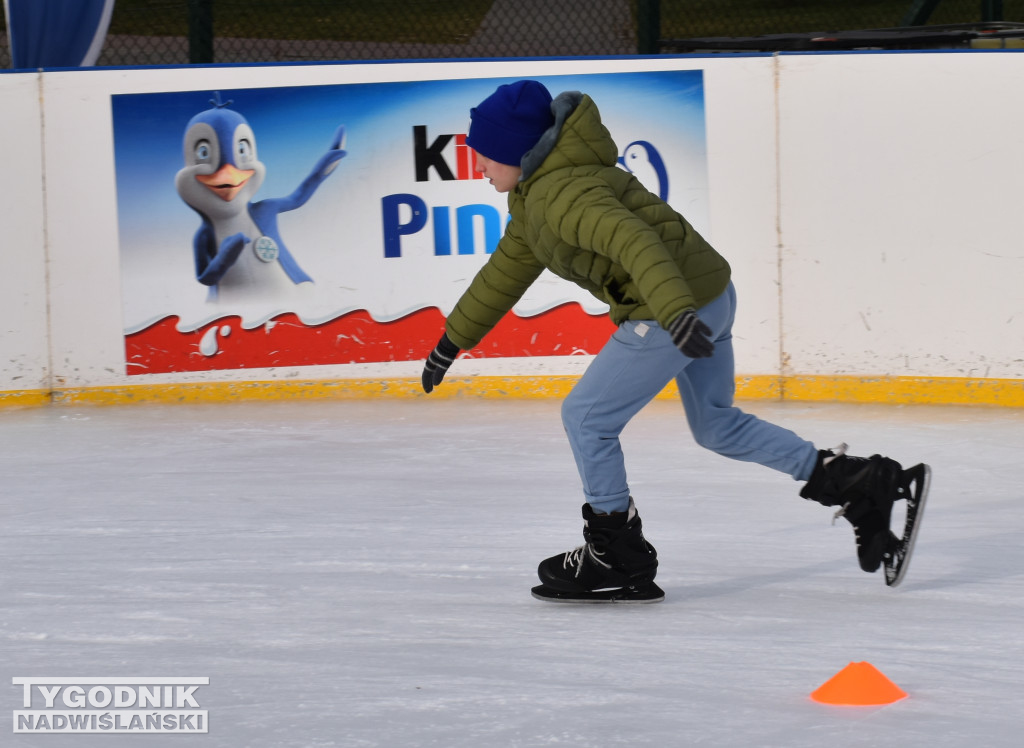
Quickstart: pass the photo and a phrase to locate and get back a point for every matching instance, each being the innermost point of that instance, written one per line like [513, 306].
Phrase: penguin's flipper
[338, 143]
[329, 162]
[226, 255]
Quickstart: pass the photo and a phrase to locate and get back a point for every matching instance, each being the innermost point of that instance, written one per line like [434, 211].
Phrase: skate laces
[574, 559]
[836, 452]
[873, 478]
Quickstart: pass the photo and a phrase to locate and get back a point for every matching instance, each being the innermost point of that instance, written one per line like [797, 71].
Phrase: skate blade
[898, 563]
[650, 593]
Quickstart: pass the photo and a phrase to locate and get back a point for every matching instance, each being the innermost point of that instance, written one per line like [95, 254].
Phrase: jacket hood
[576, 138]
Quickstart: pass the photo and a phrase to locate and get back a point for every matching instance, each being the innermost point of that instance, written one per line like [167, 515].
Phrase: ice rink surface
[358, 574]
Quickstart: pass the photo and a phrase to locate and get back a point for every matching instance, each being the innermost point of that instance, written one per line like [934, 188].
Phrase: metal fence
[173, 32]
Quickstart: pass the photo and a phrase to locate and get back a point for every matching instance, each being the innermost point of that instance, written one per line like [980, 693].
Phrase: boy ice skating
[575, 213]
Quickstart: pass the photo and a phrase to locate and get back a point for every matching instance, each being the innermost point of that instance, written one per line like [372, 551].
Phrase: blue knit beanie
[510, 121]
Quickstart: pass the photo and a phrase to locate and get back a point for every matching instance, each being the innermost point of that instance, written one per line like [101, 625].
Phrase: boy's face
[503, 177]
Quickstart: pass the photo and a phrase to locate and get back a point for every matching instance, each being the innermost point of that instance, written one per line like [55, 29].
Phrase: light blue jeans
[634, 366]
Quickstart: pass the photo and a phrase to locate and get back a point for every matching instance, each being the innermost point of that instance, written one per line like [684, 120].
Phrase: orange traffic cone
[859, 684]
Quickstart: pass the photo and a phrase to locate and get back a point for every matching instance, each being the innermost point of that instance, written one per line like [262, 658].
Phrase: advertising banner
[336, 224]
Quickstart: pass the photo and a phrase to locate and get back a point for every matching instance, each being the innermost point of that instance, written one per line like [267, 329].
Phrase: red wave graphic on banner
[353, 338]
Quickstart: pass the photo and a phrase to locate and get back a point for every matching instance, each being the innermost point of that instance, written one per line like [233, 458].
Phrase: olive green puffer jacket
[577, 214]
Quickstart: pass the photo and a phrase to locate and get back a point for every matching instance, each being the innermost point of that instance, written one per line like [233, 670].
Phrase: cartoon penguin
[238, 248]
[643, 161]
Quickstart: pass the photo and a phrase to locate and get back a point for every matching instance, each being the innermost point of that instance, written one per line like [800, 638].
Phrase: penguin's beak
[226, 182]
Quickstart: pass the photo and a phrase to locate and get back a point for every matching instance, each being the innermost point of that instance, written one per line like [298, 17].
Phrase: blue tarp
[56, 33]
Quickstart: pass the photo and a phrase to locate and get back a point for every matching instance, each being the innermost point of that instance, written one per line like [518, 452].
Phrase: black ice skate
[865, 491]
[615, 565]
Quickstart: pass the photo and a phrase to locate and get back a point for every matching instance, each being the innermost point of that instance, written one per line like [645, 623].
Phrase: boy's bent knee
[572, 413]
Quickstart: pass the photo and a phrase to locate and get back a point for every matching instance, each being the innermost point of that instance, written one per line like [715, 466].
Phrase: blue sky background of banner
[337, 237]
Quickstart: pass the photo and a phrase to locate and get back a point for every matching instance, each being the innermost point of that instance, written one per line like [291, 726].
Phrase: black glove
[438, 362]
[691, 336]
